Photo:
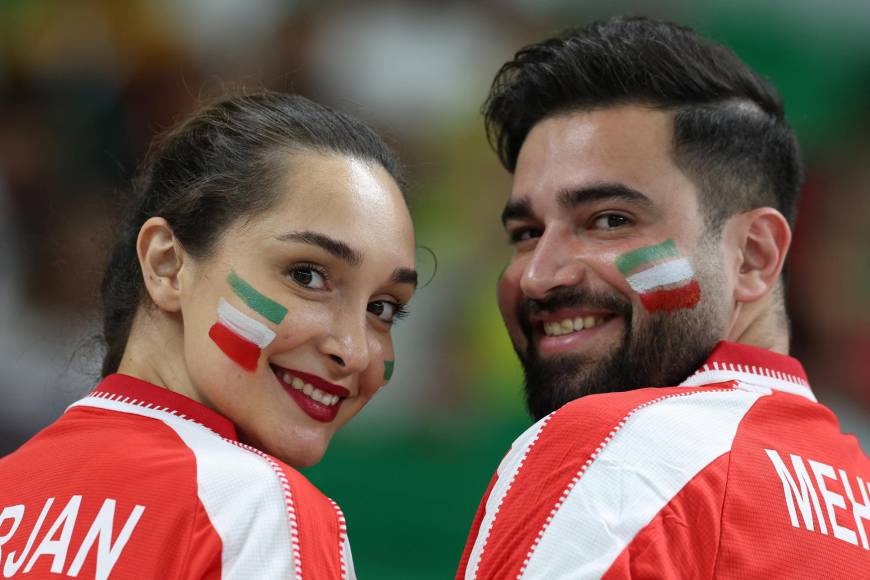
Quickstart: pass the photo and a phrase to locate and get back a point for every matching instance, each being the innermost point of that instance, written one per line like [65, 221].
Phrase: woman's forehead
[332, 186]
[347, 200]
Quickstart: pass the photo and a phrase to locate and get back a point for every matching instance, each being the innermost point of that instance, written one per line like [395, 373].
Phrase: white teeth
[321, 397]
[569, 325]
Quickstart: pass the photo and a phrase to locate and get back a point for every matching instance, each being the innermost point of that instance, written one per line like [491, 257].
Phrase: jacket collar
[130, 390]
[751, 365]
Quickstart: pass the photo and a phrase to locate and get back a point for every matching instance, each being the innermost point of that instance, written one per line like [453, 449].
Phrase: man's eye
[610, 221]
[308, 276]
[524, 234]
[387, 311]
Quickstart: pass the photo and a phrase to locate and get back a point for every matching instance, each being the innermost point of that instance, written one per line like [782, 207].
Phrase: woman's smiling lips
[319, 399]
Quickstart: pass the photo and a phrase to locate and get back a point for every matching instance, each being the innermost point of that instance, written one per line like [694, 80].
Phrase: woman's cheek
[380, 367]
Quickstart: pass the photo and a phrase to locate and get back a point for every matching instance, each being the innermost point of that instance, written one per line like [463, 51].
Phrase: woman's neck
[155, 353]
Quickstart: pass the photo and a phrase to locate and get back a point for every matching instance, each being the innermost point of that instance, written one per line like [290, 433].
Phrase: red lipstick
[324, 411]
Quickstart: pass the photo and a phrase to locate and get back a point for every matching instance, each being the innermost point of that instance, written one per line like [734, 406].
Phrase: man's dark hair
[730, 133]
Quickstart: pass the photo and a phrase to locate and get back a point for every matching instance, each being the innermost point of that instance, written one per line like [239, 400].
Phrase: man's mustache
[569, 297]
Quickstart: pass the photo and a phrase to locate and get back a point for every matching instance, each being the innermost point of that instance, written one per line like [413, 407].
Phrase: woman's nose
[347, 344]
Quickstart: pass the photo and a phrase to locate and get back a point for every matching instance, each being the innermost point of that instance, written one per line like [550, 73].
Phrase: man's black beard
[663, 350]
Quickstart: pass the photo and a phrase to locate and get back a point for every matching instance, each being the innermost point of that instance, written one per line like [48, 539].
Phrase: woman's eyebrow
[335, 247]
[404, 276]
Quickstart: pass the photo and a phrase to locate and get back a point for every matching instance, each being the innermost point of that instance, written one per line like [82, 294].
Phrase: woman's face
[287, 325]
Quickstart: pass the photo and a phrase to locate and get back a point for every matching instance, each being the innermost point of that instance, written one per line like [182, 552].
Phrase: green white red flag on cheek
[240, 336]
[664, 280]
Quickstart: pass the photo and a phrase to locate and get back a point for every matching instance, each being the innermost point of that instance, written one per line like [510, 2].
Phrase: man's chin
[555, 380]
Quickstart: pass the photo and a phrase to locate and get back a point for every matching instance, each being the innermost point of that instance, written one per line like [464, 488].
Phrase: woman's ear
[762, 237]
[161, 258]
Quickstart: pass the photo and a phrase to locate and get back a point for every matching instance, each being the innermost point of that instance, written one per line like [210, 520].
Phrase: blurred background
[85, 85]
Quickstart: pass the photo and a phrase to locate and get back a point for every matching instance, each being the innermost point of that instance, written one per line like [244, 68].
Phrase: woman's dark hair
[730, 132]
[222, 164]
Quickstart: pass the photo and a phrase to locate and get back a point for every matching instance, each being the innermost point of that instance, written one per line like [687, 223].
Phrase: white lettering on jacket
[802, 497]
[54, 544]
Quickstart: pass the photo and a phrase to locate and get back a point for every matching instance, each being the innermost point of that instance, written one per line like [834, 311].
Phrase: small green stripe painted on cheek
[266, 307]
[388, 369]
[629, 261]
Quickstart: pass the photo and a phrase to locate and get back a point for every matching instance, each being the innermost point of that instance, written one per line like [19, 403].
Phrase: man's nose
[553, 265]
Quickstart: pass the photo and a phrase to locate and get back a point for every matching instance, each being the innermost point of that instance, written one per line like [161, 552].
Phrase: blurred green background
[85, 85]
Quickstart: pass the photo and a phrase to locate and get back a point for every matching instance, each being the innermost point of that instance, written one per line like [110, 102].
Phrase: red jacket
[135, 481]
[737, 473]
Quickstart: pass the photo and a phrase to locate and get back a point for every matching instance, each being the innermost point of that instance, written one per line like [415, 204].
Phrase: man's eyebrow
[603, 191]
[522, 209]
[516, 210]
[335, 247]
[404, 276]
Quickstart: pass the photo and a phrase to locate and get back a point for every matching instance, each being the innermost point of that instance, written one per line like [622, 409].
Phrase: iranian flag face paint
[664, 280]
[239, 336]
[264, 306]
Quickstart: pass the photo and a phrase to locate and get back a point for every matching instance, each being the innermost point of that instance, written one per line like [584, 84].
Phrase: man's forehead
[628, 145]
[602, 137]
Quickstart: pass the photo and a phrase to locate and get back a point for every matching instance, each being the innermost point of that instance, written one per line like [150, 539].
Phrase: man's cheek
[509, 293]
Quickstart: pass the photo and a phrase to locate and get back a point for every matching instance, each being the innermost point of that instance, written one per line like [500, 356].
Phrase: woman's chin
[308, 458]
[297, 456]
[296, 445]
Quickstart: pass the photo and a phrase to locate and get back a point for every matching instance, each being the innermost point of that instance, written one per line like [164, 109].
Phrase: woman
[248, 308]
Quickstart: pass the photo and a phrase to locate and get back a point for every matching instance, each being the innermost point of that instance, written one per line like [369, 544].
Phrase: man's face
[614, 283]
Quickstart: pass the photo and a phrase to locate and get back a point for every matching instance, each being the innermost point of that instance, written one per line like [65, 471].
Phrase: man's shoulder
[624, 411]
[588, 477]
[638, 422]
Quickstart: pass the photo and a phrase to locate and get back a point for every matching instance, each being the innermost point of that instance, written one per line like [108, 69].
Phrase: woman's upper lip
[318, 382]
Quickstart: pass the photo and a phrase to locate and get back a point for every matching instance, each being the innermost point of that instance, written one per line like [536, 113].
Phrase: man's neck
[761, 325]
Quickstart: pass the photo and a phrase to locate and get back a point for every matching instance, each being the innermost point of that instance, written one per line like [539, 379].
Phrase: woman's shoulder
[226, 471]
[156, 434]
[178, 488]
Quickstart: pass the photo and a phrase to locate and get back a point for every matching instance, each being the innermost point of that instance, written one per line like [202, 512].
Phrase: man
[655, 184]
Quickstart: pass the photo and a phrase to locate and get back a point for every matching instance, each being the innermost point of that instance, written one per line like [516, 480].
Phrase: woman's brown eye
[388, 311]
[308, 277]
[303, 277]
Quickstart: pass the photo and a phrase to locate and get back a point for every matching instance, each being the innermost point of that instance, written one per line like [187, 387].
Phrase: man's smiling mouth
[574, 324]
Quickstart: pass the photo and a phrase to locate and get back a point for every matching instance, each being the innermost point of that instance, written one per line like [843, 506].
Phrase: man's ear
[161, 258]
[762, 239]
